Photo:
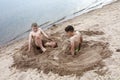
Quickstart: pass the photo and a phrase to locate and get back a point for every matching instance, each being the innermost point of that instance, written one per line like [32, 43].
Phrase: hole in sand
[57, 61]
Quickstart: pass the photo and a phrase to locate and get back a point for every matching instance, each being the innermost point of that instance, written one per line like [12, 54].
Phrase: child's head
[69, 30]
[34, 27]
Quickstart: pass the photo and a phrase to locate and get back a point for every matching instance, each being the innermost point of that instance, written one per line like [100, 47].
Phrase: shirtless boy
[36, 35]
[75, 39]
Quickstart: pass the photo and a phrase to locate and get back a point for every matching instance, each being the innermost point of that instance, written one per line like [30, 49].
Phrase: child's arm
[29, 44]
[44, 33]
[72, 50]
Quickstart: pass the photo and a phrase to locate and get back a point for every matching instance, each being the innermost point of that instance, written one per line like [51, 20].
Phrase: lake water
[16, 16]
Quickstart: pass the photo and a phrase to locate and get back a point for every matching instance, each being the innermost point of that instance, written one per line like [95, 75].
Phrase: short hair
[69, 28]
[34, 25]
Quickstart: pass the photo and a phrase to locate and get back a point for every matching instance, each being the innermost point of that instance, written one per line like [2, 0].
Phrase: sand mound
[92, 33]
[58, 61]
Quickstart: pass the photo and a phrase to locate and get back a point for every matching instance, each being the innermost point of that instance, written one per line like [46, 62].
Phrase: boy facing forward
[36, 35]
[75, 39]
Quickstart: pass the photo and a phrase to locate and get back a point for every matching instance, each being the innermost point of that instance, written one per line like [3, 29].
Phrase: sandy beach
[98, 59]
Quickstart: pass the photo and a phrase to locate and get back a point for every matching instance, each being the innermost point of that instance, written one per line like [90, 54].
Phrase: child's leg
[39, 43]
[50, 44]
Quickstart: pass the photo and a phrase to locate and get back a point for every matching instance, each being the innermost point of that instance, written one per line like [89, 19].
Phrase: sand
[59, 61]
[98, 59]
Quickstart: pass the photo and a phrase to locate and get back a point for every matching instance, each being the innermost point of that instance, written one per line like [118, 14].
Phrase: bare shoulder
[78, 32]
[39, 29]
[72, 39]
[31, 33]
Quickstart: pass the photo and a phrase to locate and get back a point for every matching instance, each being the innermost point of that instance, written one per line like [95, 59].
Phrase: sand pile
[58, 61]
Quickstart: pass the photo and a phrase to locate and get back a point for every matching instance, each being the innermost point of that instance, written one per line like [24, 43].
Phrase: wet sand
[98, 59]
[59, 61]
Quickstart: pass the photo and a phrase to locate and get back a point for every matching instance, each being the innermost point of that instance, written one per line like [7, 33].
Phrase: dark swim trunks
[43, 43]
[78, 49]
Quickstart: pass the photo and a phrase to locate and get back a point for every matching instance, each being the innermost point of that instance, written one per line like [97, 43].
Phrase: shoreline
[105, 19]
[47, 24]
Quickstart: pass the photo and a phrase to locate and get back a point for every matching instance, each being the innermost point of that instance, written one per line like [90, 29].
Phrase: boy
[37, 36]
[75, 39]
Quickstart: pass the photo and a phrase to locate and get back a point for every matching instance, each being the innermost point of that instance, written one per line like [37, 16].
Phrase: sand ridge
[58, 61]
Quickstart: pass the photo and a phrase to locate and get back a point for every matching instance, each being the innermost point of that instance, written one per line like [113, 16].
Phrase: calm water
[16, 16]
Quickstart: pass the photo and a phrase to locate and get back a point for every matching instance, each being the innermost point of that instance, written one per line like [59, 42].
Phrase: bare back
[76, 39]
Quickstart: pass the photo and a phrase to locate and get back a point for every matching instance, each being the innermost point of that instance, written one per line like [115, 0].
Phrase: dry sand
[58, 61]
[98, 59]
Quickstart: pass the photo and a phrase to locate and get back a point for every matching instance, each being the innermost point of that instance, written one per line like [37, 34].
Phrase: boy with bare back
[36, 35]
[75, 39]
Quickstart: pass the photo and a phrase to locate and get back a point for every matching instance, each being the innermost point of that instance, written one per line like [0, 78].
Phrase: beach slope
[100, 27]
